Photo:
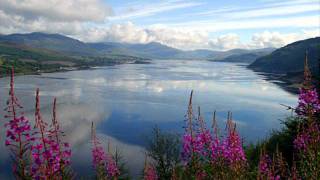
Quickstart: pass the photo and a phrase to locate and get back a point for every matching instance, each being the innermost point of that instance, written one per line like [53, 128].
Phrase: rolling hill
[243, 56]
[73, 47]
[289, 58]
[53, 42]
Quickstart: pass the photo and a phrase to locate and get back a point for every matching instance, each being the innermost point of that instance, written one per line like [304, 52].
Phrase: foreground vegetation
[40, 152]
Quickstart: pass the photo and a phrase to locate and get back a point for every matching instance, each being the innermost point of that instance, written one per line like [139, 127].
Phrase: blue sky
[184, 24]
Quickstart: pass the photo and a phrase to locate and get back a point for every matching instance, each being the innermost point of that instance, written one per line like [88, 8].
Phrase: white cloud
[57, 10]
[127, 32]
[193, 39]
[55, 16]
[228, 41]
[130, 33]
[276, 39]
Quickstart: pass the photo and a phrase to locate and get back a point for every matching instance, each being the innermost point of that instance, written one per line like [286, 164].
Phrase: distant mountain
[39, 52]
[70, 46]
[66, 45]
[53, 42]
[196, 54]
[152, 50]
[289, 58]
[243, 56]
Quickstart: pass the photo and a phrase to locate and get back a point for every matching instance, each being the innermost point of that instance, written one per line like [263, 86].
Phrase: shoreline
[74, 68]
[289, 83]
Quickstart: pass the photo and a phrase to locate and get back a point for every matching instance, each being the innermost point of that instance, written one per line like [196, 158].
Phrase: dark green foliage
[121, 164]
[283, 139]
[164, 149]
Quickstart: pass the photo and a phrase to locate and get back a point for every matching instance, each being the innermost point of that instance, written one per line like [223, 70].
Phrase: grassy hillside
[53, 42]
[28, 60]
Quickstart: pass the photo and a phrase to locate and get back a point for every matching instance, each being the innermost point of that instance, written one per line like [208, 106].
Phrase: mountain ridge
[70, 46]
[289, 58]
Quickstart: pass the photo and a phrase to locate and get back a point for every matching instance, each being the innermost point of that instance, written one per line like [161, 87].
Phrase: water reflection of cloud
[75, 119]
[145, 95]
[75, 93]
[247, 89]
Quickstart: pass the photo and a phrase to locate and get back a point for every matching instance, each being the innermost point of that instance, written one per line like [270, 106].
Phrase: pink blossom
[150, 173]
[308, 103]
[187, 147]
[112, 168]
[233, 150]
[264, 164]
[102, 161]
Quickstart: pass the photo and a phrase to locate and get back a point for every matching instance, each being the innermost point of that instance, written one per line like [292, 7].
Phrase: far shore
[72, 68]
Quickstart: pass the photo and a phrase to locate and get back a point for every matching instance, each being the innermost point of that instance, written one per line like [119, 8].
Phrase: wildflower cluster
[203, 152]
[272, 169]
[149, 172]
[103, 163]
[309, 103]
[307, 141]
[50, 155]
[38, 152]
[18, 133]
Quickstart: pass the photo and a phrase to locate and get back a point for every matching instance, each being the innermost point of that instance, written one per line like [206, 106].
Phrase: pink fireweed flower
[49, 154]
[203, 142]
[264, 165]
[308, 138]
[216, 149]
[232, 148]
[187, 147]
[103, 163]
[112, 167]
[301, 141]
[188, 138]
[18, 131]
[308, 103]
[203, 138]
[98, 156]
[150, 173]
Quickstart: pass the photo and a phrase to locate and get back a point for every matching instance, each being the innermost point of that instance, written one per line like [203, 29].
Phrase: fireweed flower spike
[308, 103]
[264, 165]
[216, 148]
[41, 152]
[203, 140]
[61, 149]
[149, 172]
[308, 138]
[233, 150]
[188, 139]
[103, 163]
[50, 155]
[18, 133]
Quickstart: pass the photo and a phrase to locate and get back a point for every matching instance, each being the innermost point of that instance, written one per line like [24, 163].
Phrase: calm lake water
[126, 101]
